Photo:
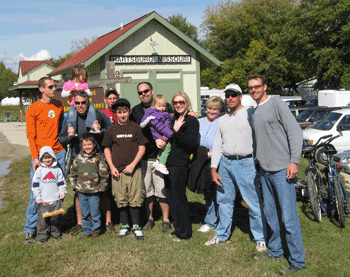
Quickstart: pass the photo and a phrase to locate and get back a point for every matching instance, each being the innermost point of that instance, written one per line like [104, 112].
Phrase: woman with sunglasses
[183, 143]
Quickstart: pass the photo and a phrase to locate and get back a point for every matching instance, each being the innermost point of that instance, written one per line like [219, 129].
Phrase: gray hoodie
[48, 183]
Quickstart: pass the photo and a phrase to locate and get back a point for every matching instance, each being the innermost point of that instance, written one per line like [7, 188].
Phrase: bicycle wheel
[314, 196]
[339, 203]
[68, 160]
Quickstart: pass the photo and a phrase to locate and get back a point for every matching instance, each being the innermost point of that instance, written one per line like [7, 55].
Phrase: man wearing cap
[279, 141]
[154, 181]
[233, 169]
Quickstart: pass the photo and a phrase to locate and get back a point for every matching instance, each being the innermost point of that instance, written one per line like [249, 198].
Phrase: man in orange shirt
[44, 120]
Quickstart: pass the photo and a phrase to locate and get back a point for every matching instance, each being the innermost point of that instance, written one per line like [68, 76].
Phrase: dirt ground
[11, 152]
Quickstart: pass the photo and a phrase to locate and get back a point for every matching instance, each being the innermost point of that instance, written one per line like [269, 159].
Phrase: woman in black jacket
[183, 143]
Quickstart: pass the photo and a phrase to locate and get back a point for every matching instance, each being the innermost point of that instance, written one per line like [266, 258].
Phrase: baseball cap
[121, 102]
[233, 87]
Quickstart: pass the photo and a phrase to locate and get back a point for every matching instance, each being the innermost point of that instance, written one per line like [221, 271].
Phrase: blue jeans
[32, 210]
[90, 211]
[90, 119]
[211, 218]
[280, 202]
[239, 175]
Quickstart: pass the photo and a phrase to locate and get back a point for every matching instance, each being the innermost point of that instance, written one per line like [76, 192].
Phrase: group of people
[137, 155]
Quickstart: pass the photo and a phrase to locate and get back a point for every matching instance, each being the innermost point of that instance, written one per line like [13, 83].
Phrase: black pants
[175, 185]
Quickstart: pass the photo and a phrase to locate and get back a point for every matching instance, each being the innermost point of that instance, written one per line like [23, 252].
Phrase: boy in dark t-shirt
[124, 147]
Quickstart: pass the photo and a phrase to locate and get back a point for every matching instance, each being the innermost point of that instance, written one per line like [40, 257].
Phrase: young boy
[49, 188]
[126, 140]
[89, 175]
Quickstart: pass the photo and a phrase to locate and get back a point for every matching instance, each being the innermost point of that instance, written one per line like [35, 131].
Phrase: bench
[7, 116]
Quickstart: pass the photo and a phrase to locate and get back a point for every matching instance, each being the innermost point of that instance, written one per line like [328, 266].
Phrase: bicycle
[69, 160]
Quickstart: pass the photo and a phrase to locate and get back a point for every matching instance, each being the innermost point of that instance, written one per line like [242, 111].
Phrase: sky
[38, 30]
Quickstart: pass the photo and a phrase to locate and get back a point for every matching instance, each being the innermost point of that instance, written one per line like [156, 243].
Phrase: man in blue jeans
[232, 155]
[44, 118]
[279, 141]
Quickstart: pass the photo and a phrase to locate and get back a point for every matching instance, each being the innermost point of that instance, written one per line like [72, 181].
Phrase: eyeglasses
[255, 87]
[144, 92]
[231, 94]
[78, 103]
[175, 103]
[52, 86]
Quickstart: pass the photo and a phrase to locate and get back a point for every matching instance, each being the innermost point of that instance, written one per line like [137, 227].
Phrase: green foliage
[180, 22]
[7, 78]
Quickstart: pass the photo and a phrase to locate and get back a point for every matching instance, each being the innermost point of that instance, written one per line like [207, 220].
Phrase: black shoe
[290, 270]
[149, 225]
[29, 238]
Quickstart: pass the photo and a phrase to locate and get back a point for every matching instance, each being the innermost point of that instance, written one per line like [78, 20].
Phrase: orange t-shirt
[43, 123]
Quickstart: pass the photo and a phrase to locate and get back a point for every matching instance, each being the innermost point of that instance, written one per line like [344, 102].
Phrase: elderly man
[44, 119]
[81, 103]
[154, 181]
[233, 156]
[279, 142]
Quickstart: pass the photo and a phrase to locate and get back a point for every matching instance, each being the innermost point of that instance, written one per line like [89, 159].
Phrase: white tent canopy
[13, 101]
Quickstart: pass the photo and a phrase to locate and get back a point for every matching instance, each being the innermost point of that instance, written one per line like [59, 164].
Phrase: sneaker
[290, 270]
[176, 239]
[156, 163]
[95, 235]
[138, 232]
[149, 225]
[76, 230]
[85, 237]
[204, 229]
[162, 169]
[95, 130]
[29, 238]
[261, 246]
[213, 241]
[166, 227]
[264, 256]
[124, 231]
[110, 228]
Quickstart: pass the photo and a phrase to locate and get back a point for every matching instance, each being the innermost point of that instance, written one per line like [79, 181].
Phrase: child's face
[161, 106]
[47, 161]
[123, 114]
[88, 146]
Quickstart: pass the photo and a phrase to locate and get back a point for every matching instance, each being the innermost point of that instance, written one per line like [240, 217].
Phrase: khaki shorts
[154, 181]
[128, 190]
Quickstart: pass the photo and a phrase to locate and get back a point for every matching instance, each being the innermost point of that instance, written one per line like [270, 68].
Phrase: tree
[7, 78]
[180, 22]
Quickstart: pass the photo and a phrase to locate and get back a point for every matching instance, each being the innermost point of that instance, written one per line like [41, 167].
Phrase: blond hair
[215, 101]
[160, 98]
[185, 97]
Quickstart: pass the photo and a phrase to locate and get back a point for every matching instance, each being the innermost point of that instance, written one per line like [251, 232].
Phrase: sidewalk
[15, 132]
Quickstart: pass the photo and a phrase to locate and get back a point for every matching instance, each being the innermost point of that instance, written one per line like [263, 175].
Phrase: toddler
[49, 189]
[79, 82]
[160, 126]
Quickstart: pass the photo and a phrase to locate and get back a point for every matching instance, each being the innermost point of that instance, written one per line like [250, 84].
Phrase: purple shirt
[160, 126]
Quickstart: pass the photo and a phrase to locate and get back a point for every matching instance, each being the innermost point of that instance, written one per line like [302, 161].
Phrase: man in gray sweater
[279, 142]
[233, 169]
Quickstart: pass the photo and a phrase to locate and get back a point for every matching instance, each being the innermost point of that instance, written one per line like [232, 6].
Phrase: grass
[326, 245]
[15, 112]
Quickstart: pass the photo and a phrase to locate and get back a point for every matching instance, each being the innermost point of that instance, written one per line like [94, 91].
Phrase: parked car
[295, 103]
[335, 123]
[297, 111]
[342, 161]
[312, 102]
[312, 115]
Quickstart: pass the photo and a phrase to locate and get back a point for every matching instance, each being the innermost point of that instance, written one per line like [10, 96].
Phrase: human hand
[209, 154]
[216, 177]
[70, 131]
[292, 171]
[36, 164]
[114, 172]
[178, 123]
[38, 201]
[192, 113]
[96, 124]
[160, 143]
[62, 196]
[129, 169]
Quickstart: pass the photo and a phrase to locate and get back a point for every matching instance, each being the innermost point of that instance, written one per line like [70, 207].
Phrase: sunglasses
[143, 92]
[78, 103]
[52, 86]
[231, 94]
[254, 87]
[179, 103]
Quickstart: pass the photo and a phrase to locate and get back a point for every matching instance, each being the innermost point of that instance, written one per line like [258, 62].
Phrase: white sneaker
[213, 241]
[138, 232]
[124, 231]
[204, 229]
[162, 169]
[156, 163]
[261, 246]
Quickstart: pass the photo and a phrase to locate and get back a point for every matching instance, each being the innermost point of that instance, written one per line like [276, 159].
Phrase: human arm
[216, 177]
[67, 87]
[61, 183]
[108, 157]
[187, 133]
[163, 126]
[32, 132]
[130, 168]
[292, 170]
[36, 187]
[217, 147]
[73, 176]
[103, 173]
[145, 122]
[63, 135]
